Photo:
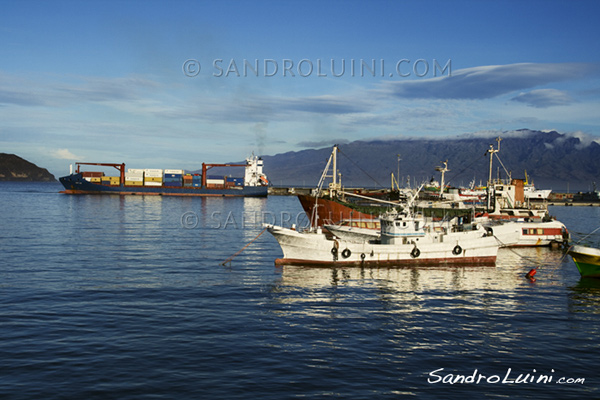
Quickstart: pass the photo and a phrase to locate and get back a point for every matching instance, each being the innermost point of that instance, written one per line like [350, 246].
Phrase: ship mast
[443, 170]
[491, 151]
[334, 187]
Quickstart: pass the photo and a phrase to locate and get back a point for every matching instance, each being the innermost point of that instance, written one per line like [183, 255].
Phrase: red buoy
[530, 275]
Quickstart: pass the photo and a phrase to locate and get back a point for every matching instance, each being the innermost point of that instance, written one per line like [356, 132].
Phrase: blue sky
[108, 81]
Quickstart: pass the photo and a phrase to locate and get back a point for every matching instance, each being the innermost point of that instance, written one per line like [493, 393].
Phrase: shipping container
[90, 174]
[111, 180]
[172, 183]
[236, 181]
[134, 183]
[154, 173]
[152, 183]
[135, 171]
[152, 179]
[174, 171]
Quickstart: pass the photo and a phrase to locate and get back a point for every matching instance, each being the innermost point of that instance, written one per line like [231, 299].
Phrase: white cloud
[543, 98]
[65, 154]
[490, 81]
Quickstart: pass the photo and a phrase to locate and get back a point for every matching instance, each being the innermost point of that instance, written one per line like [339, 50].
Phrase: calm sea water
[125, 297]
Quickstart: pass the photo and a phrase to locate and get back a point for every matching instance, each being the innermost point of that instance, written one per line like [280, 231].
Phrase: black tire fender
[415, 253]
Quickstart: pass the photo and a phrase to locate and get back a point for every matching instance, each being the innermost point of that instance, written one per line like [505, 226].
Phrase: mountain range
[551, 159]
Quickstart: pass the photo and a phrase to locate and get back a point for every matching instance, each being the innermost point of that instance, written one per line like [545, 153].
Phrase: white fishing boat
[528, 234]
[405, 239]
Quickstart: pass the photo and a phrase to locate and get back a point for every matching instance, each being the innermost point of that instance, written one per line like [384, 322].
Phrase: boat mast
[443, 170]
[490, 185]
[333, 187]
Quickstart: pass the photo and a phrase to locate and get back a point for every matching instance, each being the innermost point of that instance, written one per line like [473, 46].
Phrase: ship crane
[120, 167]
[206, 167]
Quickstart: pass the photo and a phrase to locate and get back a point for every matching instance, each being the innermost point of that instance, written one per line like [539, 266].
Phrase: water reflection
[584, 297]
[404, 279]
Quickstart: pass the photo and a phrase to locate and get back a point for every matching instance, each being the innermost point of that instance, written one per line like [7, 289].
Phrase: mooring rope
[243, 248]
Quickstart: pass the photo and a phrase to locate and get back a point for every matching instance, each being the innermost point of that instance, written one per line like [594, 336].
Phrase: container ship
[168, 182]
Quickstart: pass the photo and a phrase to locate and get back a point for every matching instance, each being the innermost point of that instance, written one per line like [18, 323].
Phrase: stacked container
[188, 180]
[197, 180]
[173, 177]
[153, 177]
[235, 181]
[215, 182]
[111, 180]
[134, 177]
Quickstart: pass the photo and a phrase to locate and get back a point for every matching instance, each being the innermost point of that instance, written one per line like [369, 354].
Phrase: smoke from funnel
[260, 131]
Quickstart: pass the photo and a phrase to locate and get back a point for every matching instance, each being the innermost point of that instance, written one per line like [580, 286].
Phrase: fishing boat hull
[587, 260]
[315, 248]
[76, 184]
[529, 234]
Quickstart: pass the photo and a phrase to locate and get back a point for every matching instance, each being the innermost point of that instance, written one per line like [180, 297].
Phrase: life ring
[457, 250]
[334, 251]
[415, 253]
[362, 256]
[346, 253]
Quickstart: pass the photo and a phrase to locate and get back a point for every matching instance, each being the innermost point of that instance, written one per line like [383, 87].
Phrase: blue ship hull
[76, 184]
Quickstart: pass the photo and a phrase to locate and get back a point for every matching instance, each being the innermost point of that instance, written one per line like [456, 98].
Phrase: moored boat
[587, 260]
[428, 245]
[404, 238]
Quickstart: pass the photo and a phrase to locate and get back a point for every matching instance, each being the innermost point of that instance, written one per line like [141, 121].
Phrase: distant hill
[553, 160]
[14, 168]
